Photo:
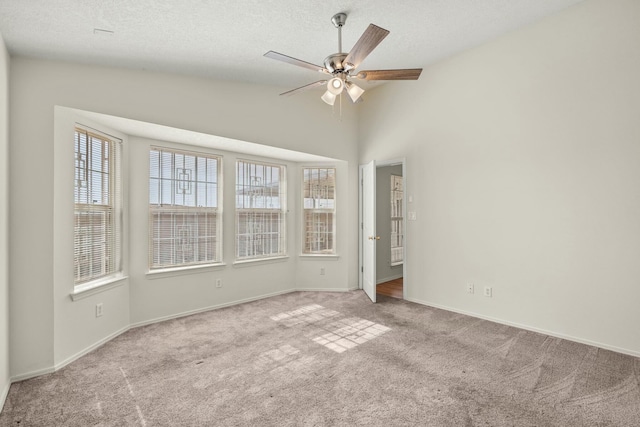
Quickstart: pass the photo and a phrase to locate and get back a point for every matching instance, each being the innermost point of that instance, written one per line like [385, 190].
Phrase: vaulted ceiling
[226, 39]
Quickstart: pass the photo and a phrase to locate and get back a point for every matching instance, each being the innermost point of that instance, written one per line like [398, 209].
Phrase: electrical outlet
[487, 291]
[218, 283]
[470, 288]
[98, 309]
[322, 271]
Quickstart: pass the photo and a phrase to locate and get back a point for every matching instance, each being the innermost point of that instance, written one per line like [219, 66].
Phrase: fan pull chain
[333, 108]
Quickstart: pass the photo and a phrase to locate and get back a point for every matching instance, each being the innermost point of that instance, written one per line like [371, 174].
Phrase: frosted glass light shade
[329, 98]
[354, 91]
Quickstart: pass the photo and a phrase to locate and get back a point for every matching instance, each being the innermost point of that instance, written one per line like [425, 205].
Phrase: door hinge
[362, 269]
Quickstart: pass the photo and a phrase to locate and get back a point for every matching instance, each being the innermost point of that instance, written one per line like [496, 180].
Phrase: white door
[368, 236]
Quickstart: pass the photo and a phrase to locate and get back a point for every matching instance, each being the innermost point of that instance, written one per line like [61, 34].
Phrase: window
[184, 209]
[98, 206]
[319, 205]
[260, 210]
[397, 235]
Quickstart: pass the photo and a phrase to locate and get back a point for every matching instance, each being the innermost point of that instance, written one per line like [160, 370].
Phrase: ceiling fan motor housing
[335, 63]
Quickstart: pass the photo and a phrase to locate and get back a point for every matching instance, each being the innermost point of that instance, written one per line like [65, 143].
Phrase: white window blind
[397, 218]
[184, 209]
[319, 205]
[98, 205]
[260, 210]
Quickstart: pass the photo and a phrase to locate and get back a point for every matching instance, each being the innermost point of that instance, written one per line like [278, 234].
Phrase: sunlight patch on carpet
[349, 333]
[305, 315]
[340, 335]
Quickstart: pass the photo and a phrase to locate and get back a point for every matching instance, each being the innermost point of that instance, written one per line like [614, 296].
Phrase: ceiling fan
[342, 66]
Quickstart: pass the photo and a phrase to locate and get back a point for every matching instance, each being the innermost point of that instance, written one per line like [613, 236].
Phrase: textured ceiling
[226, 39]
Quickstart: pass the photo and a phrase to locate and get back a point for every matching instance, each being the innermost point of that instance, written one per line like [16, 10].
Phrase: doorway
[390, 228]
[382, 231]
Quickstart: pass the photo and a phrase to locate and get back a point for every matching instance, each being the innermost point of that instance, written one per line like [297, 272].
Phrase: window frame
[113, 209]
[173, 209]
[281, 211]
[318, 210]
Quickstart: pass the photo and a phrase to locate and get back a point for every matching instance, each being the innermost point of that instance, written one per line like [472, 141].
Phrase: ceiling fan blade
[368, 41]
[404, 74]
[304, 88]
[300, 63]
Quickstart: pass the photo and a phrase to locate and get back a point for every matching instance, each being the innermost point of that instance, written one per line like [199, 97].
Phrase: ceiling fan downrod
[335, 63]
[338, 21]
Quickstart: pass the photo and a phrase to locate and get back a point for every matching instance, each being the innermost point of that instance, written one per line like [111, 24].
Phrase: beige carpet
[333, 359]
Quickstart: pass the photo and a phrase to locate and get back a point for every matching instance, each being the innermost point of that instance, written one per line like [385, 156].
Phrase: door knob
[374, 237]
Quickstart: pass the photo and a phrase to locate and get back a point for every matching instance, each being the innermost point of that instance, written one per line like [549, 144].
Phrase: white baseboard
[70, 359]
[32, 374]
[324, 289]
[3, 394]
[89, 349]
[387, 279]
[209, 308]
[232, 303]
[529, 328]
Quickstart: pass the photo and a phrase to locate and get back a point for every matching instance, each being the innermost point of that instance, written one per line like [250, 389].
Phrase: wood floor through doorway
[392, 288]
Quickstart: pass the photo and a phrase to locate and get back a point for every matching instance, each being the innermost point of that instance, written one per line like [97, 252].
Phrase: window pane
[183, 237]
[397, 236]
[260, 210]
[318, 232]
[183, 200]
[96, 229]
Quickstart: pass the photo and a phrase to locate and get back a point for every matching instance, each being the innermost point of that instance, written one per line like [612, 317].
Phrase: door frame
[382, 163]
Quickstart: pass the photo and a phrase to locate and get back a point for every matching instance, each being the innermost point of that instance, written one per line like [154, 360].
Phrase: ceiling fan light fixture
[354, 91]
[335, 86]
[329, 98]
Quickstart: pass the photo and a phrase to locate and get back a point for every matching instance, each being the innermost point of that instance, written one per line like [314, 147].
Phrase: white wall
[4, 222]
[76, 328]
[157, 296]
[46, 327]
[384, 270]
[523, 159]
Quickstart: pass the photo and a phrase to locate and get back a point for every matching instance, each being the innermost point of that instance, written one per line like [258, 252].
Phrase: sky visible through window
[177, 179]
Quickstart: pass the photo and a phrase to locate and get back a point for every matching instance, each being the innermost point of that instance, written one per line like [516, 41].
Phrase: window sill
[308, 257]
[395, 264]
[87, 289]
[179, 271]
[247, 262]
